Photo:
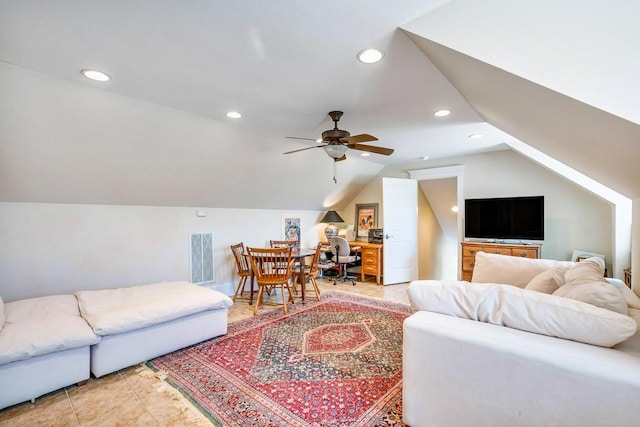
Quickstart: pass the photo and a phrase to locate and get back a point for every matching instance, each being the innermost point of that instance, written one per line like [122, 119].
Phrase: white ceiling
[283, 64]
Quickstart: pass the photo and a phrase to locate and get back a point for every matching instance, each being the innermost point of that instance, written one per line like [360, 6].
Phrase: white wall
[58, 248]
[574, 218]
[61, 248]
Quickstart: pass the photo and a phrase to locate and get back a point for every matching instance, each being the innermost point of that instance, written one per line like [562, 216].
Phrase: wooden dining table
[297, 254]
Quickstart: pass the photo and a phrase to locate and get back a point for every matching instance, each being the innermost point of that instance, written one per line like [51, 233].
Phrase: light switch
[201, 212]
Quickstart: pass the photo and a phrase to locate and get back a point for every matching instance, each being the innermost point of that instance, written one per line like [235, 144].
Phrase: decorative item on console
[376, 235]
[331, 217]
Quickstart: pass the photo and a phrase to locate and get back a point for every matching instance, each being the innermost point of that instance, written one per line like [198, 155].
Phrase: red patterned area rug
[336, 362]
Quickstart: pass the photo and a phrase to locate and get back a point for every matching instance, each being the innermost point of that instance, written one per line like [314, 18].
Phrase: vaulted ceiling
[156, 133]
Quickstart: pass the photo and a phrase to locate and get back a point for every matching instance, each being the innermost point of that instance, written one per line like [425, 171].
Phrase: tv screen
[516, 218]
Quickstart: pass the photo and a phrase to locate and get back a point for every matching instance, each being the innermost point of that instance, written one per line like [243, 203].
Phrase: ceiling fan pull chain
[335, 172]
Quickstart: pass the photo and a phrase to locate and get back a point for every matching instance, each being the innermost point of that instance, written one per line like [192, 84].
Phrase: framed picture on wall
[291, 228]
[366, 218]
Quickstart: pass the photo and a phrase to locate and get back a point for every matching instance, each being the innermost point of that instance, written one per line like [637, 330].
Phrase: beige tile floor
[136, 396]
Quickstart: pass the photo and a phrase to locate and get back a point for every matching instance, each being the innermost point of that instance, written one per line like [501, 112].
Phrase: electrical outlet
[201, 213]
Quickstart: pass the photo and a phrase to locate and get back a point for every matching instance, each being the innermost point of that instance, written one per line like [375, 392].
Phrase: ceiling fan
[335, 142]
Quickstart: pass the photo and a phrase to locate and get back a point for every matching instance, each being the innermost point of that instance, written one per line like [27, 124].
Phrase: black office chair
[342, 255]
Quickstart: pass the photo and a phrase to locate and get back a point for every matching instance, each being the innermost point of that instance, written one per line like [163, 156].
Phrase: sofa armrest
[462, 372]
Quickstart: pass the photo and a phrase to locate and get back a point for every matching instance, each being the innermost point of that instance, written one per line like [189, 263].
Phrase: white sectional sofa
[139, 323]
[51, 342]
[498, 354]
[44, 346]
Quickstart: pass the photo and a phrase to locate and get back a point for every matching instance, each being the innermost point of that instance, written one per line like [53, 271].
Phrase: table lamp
[331, 230]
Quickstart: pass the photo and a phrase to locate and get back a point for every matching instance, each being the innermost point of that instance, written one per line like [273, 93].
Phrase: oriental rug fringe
[336, 362]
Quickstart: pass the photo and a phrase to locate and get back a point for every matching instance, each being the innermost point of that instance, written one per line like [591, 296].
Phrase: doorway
[440, 228]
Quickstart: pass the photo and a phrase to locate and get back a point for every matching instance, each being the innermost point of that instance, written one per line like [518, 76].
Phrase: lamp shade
[331, 216]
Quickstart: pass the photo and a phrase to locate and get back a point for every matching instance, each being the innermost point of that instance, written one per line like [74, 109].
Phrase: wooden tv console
[469, 250]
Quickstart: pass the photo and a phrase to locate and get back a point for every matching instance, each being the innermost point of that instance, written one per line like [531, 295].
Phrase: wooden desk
[371, 260]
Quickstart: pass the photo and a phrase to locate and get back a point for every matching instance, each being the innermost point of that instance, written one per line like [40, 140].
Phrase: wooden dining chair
[267, 267]
[310, 271]
[243, 268]
[285, 244]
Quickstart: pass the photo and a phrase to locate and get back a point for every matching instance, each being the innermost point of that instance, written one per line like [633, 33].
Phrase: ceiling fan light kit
[335, 151]
[335, 143]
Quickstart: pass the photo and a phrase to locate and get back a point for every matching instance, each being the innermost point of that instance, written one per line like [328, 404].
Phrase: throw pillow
[510, 270]
[589, 270]
[548, 281]
[522, 309]
[585, 282]
[633, 301]
[600, 294]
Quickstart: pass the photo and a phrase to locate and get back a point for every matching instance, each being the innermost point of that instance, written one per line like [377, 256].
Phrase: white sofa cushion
[632, 345]
[517, 308]
[38, 326]
[548, 281]
[119, 310]
[511, 270]
[585, 282]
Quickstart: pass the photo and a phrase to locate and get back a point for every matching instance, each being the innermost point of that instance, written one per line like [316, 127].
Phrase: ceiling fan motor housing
[334, 135]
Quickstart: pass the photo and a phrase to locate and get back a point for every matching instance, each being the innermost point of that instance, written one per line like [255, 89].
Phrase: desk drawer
[369, 254]
[370, 268]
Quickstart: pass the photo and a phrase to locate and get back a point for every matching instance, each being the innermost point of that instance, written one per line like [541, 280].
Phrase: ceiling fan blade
[302, 149]
[304, 139]
[371, 149]
[339, 159]
[363, 137]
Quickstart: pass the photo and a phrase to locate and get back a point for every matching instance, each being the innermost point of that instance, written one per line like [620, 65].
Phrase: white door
[400, 218]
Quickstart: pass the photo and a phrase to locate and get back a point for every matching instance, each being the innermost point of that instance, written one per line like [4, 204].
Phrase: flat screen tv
[510, 218]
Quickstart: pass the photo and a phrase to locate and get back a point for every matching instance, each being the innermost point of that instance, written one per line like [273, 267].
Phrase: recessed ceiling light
[370, 56]
[364, 154]
[475, 136]
[442, 113]
[96, 75]
[234, 115]
[454, 209]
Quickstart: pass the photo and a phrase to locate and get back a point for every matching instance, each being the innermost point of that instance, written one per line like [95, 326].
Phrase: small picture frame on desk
[366, 219]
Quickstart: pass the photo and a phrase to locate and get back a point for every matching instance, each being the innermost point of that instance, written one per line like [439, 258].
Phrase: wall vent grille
[201, 257]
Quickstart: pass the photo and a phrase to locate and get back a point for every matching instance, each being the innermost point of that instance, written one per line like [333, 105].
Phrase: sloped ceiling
[157, 134]
[601, 144]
